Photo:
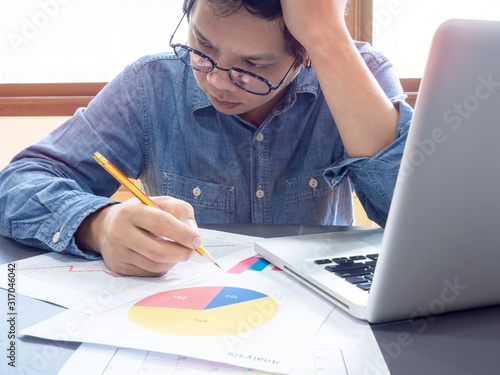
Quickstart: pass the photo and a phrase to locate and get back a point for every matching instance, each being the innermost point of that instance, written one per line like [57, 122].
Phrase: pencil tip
[217, 265]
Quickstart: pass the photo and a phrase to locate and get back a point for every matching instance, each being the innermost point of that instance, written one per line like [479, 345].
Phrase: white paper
[342, 345]
[266, 333]
[105, 360]
[355, 337]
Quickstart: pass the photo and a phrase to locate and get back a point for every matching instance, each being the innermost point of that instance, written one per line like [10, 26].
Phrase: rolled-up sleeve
[374, 178]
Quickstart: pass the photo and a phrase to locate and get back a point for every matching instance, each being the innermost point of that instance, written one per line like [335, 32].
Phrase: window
[80, 41]
[403, 29]
[57, 54]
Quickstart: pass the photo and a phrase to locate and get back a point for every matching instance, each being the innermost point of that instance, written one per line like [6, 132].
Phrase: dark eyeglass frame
[214, 65]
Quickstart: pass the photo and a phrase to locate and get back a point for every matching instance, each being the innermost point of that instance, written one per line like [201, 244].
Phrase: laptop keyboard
[357, 269]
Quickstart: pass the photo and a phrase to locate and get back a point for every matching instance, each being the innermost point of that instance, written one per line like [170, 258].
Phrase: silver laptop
[440, 249]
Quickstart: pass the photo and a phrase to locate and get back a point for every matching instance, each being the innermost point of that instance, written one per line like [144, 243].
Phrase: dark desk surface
[466, 342]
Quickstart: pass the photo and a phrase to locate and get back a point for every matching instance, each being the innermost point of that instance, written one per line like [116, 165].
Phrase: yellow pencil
[120, 177]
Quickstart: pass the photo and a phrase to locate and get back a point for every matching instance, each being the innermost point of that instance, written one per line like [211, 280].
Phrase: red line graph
[70, 270]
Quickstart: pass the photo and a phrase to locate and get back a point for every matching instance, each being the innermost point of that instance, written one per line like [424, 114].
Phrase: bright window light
[403, 29]
[80, 41]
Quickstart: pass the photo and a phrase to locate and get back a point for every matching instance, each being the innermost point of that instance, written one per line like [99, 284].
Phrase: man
[234, 127]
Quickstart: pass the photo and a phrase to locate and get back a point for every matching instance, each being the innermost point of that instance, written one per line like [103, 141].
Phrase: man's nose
[220, 79]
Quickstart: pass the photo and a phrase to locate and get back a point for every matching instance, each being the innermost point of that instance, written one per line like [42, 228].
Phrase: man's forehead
[247, 26]
[260, 56]
[203, 7]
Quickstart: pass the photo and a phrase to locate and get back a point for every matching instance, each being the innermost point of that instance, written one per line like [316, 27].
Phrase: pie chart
[204, 311]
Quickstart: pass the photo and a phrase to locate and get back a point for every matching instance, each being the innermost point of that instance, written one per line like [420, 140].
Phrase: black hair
[267, 9]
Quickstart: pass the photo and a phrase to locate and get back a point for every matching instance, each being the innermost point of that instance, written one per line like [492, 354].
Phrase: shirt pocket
[213, 203]
[310, 200]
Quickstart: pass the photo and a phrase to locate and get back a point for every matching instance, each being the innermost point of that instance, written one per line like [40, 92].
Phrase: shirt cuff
[57, 231]
[374, 178]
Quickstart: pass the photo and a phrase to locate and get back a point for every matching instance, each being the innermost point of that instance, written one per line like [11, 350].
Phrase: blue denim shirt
[153, 122]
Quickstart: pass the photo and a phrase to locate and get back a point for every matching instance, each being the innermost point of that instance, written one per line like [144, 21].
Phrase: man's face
[242, 41]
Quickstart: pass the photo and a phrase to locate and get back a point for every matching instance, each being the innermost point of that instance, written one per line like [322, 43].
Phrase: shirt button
[197, 191]
[260, 137]
[259, 193]
[313, 183]
[55, 239]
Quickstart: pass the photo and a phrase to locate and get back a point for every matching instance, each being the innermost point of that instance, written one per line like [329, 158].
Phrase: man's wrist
[85, 235]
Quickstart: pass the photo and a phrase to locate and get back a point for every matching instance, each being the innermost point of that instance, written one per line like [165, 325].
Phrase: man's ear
[307, 62]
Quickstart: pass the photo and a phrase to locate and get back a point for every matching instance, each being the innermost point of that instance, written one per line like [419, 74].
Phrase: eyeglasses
[245, 80]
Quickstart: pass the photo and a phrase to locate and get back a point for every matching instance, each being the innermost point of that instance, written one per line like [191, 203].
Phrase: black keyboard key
[345, 266]
[355, 279]
[356, 269]
[348, 273]
[357, 257]
[364, 286]
[343, 261]
[322, 261]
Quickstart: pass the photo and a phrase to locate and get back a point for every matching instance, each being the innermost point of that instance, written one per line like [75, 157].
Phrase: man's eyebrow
[199, 33]
[256, 57]
[260, 57]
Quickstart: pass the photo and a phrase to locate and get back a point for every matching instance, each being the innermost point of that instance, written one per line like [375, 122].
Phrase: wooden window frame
[62, 99]
[46, 99]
